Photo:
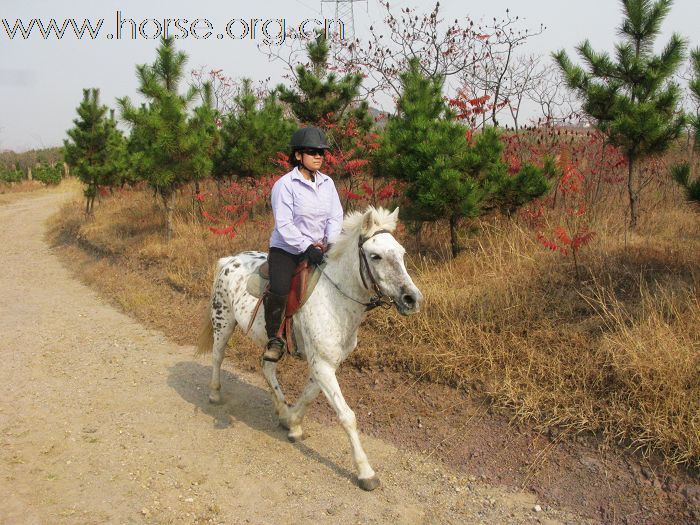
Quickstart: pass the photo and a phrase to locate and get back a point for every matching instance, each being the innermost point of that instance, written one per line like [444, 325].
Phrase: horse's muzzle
[409, 301]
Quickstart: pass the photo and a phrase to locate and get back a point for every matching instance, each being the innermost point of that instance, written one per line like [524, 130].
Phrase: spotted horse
[365, 268]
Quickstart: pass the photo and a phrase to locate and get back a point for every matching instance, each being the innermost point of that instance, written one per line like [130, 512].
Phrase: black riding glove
[314, 254]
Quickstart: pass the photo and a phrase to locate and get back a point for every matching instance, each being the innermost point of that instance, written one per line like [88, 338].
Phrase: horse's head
[382, 260]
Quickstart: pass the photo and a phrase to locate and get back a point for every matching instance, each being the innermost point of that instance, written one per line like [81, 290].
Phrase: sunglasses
[314, 152]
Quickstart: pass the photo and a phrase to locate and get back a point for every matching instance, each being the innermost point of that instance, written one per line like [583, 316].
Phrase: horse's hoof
[369, 484]
[295, 438]
[215, 398]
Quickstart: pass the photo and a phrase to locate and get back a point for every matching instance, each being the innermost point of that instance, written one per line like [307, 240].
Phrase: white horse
[365, 267]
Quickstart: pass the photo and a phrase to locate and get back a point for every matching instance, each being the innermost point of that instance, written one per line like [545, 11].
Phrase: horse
[364, 269]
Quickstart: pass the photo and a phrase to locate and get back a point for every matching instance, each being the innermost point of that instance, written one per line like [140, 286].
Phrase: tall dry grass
[11, 192]
[616, 352]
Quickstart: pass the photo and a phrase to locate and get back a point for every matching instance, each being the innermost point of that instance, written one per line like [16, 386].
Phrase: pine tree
[632, 98]
[448, 176]
[206, 137]
[252, 134]
[685, 174]
[695, 93]
[137, 144]
[319, 95]
[90, 150]
[117, 157]
[170, 148]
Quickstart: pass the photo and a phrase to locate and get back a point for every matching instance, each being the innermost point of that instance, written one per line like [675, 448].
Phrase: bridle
[379, 298]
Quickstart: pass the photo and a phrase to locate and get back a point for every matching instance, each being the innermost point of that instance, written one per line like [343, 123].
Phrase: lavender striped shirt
[305, 212]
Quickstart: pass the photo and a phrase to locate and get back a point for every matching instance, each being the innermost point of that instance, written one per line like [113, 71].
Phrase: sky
[41, 81]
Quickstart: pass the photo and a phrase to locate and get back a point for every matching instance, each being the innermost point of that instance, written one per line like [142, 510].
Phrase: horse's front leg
[297, 412]
[324, 374]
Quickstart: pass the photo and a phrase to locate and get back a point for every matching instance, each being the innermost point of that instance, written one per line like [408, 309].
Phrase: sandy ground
[105, 421]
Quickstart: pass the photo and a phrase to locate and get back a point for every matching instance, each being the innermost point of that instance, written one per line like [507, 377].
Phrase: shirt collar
[296, 174]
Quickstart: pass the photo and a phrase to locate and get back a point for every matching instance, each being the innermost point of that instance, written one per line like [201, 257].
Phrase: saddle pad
[256, 284]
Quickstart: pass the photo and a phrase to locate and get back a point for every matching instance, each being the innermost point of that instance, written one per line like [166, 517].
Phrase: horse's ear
[395, 215]
[369, 221]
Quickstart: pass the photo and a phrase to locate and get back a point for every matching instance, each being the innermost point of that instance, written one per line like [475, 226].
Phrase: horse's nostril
[409, 300]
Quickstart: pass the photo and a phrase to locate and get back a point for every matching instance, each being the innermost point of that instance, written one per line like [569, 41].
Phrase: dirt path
[105, 421]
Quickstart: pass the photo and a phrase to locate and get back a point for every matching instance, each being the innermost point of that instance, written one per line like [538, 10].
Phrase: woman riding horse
[308, 217]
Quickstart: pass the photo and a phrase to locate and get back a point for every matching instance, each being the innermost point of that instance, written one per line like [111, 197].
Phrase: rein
[379, 298]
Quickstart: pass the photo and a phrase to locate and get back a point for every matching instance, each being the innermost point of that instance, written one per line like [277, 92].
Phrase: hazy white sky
[41, 81]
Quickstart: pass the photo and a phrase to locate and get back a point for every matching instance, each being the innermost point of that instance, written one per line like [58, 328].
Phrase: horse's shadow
[241, 402]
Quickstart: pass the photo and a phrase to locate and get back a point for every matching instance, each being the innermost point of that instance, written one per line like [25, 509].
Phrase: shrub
[11, 175]
[47, 174]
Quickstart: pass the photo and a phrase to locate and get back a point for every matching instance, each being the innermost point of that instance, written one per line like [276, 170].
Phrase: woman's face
[311, 158]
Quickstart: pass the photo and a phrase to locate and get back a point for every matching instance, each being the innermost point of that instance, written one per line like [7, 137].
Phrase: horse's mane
[352, 228]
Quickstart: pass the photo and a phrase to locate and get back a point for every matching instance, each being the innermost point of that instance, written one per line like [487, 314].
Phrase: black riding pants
[282, 265]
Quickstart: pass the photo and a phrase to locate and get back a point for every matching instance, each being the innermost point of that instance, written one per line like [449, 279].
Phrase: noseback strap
[379, 299]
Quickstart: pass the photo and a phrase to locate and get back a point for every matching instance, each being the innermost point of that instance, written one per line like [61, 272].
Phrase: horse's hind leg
[223, 328]
[269, 369]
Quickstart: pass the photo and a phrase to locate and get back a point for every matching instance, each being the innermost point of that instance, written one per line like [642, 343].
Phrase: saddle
[304, 280]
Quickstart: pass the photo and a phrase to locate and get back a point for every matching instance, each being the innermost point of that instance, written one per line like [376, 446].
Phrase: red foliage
[389, 191]
[467, 107]
[350, 195]
[282, 161]
[571, 231]
[587, 167]
[241, 197]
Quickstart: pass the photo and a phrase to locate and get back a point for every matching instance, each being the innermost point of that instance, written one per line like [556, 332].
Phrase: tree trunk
[89, 198]
[169, 203]
[498, 86]
[578, 274]
[596, 194]
[453, 236]
[691, 162]
[196, 204]
[632, 191]
[419, 231]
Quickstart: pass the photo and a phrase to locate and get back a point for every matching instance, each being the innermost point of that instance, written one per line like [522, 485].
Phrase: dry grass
[10, 192]
[617, 353]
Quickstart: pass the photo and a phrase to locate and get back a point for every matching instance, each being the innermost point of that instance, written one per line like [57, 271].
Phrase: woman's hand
[314, 254]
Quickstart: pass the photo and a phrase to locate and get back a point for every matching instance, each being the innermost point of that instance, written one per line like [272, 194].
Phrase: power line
[309, 7]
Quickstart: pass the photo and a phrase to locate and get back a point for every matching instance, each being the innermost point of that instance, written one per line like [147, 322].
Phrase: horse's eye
[375, 257]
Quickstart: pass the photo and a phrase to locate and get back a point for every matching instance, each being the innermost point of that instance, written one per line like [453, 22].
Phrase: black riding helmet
[308, 138]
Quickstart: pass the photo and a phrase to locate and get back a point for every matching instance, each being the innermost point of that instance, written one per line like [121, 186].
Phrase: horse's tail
[206, 332]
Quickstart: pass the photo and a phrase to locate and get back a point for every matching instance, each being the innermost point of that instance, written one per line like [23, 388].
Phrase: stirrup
[274, 350]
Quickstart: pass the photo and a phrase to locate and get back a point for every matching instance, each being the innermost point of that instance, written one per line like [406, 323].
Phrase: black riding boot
[274, 308]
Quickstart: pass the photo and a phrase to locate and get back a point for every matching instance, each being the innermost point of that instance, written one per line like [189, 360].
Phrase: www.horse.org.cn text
[270, 31]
